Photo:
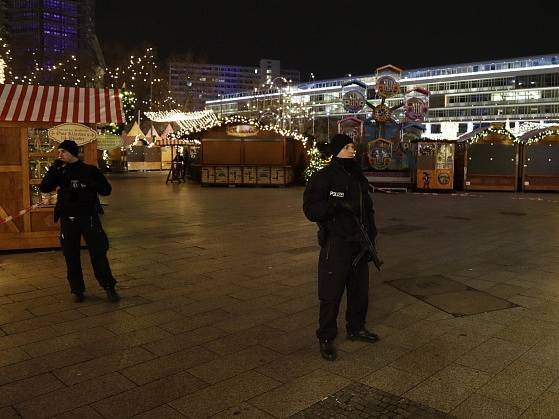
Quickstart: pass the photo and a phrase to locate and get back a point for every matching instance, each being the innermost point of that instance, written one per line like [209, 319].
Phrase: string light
[204, 120]
[541, 135]
[492, 130]
[316, 162]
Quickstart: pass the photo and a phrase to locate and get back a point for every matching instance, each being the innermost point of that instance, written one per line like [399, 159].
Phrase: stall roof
[482, 130]
[539, 131]
[23, 103]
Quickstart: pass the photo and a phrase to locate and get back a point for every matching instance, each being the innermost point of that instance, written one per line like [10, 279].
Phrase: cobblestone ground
[219, 310]
[361, 401]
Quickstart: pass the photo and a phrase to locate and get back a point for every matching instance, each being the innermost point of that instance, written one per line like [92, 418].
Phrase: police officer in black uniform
[337, 198]
[78, 209]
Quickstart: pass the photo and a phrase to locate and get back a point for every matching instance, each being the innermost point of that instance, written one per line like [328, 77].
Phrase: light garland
[178, 116]
[541, 135]
[139, 73]
[5, 60]
[491, 130]
[188, 128]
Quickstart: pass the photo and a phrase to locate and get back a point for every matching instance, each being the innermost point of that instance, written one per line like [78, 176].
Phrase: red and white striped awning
[59, 104]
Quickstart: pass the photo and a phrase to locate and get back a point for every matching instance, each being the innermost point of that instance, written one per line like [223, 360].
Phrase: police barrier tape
[25, 211]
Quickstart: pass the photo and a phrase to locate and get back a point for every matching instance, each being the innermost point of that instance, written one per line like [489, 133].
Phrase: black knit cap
[337, 142]
[70, 146]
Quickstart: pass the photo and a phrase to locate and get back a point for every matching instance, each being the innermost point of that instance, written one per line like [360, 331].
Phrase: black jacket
[79, 184]
[332, 198]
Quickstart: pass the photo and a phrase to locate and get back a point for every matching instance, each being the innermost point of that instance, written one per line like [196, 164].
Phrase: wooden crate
[221, 174]
[208, 174]
[263, 175]
[278, 176]
[249, 175]
[235, 175]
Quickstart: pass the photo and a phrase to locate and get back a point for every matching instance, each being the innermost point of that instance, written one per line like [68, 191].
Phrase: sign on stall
[80, 133]
[108, 142]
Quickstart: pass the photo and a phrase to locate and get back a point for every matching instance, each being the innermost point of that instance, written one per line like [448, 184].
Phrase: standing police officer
[78, 209]
[337, 199]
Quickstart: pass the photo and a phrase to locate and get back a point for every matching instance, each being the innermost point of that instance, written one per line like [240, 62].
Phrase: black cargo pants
[88, 226]
[335, 274]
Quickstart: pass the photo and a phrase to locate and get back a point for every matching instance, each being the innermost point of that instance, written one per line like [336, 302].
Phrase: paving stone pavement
[219, 310]
[361, 401]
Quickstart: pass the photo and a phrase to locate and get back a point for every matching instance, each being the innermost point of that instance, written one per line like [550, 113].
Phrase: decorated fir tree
[316, 162]
[128, 106]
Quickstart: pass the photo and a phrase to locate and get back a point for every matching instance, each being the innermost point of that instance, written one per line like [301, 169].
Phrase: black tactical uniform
[78, 209]
[336, 198]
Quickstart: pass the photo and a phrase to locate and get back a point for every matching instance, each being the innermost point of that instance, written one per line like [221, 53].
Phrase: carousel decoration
[416, 104]
[353, 101]
[387, 85]
[353, 96]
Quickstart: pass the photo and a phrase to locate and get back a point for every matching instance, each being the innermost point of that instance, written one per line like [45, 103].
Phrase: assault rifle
[367, 248]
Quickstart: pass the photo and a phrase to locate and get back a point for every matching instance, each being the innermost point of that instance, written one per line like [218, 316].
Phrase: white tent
[168, 130]
[132, 135]
[152, 135]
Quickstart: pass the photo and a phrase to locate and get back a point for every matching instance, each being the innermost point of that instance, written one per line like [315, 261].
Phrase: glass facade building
[43, 33]
[462, 97]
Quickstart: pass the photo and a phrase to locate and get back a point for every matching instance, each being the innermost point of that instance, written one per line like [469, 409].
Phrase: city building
[43, 33]
[192, 84]
[462, 97]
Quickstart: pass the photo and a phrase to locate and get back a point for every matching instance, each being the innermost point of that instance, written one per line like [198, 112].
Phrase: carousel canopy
[22, 103]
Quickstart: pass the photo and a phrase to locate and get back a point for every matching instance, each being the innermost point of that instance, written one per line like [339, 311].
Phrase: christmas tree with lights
[316, 162]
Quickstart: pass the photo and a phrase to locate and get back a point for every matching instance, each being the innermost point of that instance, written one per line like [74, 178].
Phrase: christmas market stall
[142, 154]
[239, 151]
[540, 169]
[434, 164]
[242, 152]
[33, 120]
[490, 159]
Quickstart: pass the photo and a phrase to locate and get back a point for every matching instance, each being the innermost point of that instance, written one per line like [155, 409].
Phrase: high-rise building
[192, 84]
[43, 33]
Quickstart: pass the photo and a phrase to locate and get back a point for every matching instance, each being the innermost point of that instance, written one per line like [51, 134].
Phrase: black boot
[78, 297]
[112, 295]
[363, 335]
[327, 350]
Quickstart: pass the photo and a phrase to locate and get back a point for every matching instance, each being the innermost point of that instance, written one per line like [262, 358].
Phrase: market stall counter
[33, 120]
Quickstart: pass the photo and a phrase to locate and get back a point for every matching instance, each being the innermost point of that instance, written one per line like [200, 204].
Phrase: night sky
[353, 37]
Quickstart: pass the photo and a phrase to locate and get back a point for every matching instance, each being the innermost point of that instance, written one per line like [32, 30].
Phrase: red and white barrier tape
[24, 211]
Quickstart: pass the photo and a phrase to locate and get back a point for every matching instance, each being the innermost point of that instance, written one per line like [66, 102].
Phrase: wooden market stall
[243, 154]
[33, 119]
[434, 164]
[144, 157]
[491, 157]
[540, 169]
